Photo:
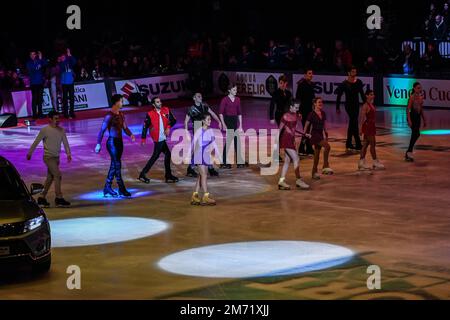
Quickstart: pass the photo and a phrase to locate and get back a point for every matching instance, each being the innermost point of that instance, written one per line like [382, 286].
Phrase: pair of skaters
[414, 115]
[315, 130]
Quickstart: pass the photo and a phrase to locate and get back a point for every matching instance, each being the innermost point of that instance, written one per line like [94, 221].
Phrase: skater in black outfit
[305, 94]
[352, 88]
[114, 122]
[415, 114]
[280, 102]
[197, 113]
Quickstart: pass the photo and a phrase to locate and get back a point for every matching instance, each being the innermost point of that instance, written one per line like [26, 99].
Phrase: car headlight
[33, 224]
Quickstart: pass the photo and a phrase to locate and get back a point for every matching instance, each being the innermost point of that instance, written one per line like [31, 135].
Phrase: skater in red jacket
[159, 120]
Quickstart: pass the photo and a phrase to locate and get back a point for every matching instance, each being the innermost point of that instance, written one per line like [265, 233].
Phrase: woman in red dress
[368, 131]
[289, 141]
[316, 124]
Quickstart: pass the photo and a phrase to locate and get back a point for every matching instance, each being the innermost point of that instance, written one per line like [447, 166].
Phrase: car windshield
[11, 188]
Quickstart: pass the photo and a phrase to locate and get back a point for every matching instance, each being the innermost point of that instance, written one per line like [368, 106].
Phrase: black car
[24, 227]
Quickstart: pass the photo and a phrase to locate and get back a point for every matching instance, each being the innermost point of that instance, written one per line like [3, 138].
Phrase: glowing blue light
[98, 230]
[256, 259]
[98, 195]
[435, 132]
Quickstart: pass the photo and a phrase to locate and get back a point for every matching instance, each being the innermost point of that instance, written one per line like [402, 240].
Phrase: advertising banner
[165, 87]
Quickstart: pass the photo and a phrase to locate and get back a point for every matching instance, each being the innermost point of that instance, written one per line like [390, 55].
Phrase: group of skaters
[302, 124]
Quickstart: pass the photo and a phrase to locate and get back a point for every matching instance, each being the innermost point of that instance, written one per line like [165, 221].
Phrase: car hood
[18, 211]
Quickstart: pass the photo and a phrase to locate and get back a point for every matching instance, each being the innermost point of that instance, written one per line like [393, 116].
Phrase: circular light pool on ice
[102, 230]
[255, 259]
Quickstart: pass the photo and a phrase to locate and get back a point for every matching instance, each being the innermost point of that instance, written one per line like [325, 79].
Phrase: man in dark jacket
[281, 98]
[35, 67]
[305, 94]
[352, 88]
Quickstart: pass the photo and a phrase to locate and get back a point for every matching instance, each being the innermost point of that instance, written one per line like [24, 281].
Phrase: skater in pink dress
[289, 141]
[368, 131]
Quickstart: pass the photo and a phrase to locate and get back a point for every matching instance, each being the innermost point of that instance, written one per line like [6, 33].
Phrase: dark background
[37, 23]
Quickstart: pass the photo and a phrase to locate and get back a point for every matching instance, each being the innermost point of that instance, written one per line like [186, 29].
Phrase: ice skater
[415, 115]
[305, 95]
[159, 120]
[231, 117]
[114, 122]
[289, 141]
[352, 87]
[204, 143]
[368, 132]
[316, 125]
[195, 114]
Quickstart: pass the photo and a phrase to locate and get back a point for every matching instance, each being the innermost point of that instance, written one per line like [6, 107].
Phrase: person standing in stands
[35, 67]
[352, 88]
[66, 64]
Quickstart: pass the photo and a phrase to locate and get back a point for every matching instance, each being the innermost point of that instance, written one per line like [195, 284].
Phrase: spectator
[439, 29]
[66, 65]
[408, 60]
[55, 84]
[369, 66]
[84, 75]
[16, 81]
[342, 58]
[291, 61]
[446, 15]
[273, 55]
[299, 51]
[126, 71]
[318, 62]
[431, 60]
[246, 60]
[35, 67]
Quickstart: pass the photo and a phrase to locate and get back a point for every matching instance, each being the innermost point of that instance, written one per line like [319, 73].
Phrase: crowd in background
[198, 53]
